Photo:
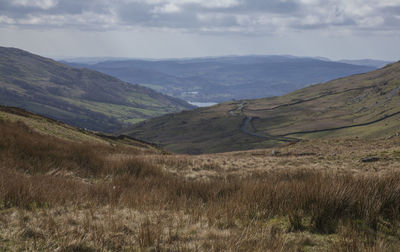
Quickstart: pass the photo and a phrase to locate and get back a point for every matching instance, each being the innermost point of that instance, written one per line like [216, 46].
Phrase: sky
[337, 29]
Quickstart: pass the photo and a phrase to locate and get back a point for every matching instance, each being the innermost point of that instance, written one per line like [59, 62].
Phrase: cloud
[167, 8]
[42, 4]
[215, 16]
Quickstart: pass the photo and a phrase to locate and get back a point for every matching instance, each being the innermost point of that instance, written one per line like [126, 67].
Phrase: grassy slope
[50, 128]
[62, 189]
[80, 97]
[347, 101]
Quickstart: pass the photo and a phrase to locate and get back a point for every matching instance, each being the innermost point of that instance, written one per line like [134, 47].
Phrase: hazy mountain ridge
[219, 79]
[81, 97]
[367, 62]
[364, 105]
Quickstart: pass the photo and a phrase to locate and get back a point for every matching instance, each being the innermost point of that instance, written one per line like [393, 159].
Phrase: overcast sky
[189, 28]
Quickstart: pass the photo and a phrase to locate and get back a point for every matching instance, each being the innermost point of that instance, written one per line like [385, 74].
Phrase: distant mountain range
[220, 79]
[367, 62]
[80, 97]
[365, 105]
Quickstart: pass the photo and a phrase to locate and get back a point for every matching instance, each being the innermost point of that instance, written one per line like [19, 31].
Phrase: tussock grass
[150, 207]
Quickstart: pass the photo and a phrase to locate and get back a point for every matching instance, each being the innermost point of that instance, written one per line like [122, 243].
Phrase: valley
[362, 105]
[222, 79]
[204, 126]
[314, 170]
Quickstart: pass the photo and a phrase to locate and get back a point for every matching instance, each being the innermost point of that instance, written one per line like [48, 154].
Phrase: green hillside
[51, 129]
[81, 97]
[365, 105]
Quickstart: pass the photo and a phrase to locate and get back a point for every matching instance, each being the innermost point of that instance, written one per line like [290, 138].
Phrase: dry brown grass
[57, 194]
[339, 156]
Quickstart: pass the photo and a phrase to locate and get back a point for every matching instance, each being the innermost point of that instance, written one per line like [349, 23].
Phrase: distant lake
[203, 104]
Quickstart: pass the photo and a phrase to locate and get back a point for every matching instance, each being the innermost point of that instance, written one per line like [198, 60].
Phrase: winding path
[247, 122]
[244, 127]
[239, 108]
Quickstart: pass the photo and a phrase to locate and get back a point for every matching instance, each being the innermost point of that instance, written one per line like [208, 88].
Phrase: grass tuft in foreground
[56, 194]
